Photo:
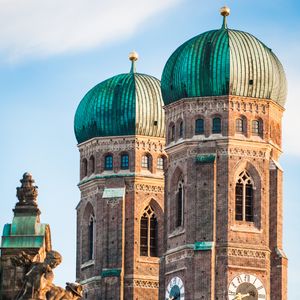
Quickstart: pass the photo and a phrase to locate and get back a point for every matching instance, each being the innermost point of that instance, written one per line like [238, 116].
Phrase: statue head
[53, 258]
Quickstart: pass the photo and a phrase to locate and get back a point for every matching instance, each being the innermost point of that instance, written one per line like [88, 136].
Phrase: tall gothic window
[124, 161]
[108, 162]
[179, 205]
[181, 129]
[91, 235]
[244, 198]
[148, 233]
[216, 128]
[92, 164]
[199, 126]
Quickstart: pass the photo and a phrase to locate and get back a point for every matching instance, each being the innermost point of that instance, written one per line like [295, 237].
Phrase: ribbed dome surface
[223, 62]
[126, 104]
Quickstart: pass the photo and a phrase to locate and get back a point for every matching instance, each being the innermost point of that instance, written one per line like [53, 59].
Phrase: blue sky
[52, 52]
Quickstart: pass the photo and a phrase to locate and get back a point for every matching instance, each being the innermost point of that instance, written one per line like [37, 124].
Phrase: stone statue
[72, 291]
[38, 279]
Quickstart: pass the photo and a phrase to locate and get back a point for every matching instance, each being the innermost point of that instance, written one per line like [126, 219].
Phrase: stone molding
[248, 253]
[119, 144]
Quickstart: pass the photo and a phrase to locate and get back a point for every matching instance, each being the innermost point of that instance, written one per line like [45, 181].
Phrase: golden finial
[133, 56]
[225, 12]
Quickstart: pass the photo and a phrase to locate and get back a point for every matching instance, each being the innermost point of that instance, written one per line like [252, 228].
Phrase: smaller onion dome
[223, 62]
[126, 104]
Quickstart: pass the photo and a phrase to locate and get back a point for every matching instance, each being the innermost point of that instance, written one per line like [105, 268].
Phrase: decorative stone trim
[146, 284]
[249, 253]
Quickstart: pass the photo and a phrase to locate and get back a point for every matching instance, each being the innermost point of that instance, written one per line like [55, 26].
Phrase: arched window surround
[88, 233]
[257, 127]
[180, 204]
[124, 161]
[199, 125]
[241, 125]
[180, 126]
[258, 194]
[146, 161]
[92, 165]
[108, 162]
[84, 166]
[216, 127]
[161, 163]
[171, 132]
[244, 200]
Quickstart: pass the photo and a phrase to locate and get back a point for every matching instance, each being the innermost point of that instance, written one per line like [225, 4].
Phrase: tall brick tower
[119, 126]
[224, 92]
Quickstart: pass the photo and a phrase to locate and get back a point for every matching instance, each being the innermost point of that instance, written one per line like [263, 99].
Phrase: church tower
[120, 127]
[224, 93]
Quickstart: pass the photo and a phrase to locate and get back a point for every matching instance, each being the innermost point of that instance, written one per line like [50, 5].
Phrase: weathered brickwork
[117, 221]
[209, 165]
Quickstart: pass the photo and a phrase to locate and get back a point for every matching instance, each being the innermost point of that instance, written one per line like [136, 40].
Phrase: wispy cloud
[41, 28]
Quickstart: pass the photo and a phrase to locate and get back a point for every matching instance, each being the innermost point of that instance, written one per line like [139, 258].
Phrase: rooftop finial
[225, 12]
[133, 56]
[28, 192]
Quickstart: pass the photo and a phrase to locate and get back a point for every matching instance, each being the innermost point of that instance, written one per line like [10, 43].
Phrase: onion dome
[223, 62]
[126, 104]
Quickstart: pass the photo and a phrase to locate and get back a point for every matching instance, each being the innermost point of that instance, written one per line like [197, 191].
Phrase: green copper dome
[223, 62]
[126, 104]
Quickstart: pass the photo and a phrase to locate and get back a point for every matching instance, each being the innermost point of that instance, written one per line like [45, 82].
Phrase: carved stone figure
[38, 280]
[72, 291]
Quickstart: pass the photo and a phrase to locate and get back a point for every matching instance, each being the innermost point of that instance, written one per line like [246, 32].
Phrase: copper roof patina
[126, 104]
[223, 62]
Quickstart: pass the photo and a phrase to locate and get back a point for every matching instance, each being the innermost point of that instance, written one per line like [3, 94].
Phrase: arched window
[171, 132]
[146, 162]
[160, 163]
[199, 126]
[216, 128]
[91, 237]
[244, 198]
[92, 164]
[181, 129]
[257, 127]
[148, 233]
[179, 205]
[84, 167]
[108, 162]
[239, 125]
[124, 161]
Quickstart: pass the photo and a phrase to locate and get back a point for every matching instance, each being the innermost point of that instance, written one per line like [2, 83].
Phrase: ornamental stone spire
[27, 194]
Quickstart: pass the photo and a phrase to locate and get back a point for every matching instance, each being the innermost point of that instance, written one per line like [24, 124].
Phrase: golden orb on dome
[133, 56]
[225, 11]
